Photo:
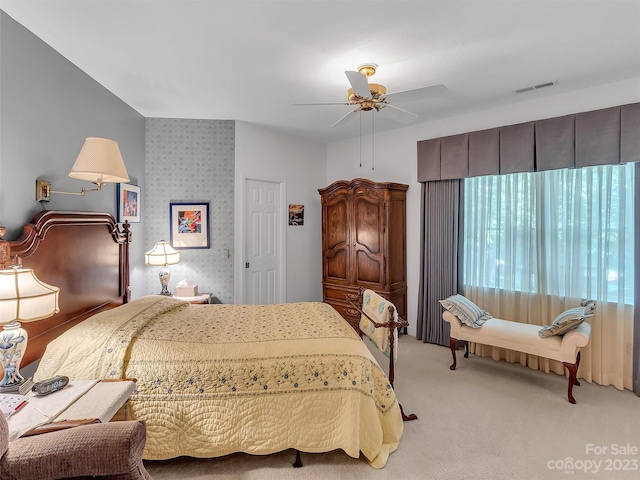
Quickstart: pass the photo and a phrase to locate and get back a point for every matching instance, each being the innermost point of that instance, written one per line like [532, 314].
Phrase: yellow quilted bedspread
[218, 379]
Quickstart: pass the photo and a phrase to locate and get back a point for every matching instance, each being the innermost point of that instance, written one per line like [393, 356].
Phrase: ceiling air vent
[537, 87]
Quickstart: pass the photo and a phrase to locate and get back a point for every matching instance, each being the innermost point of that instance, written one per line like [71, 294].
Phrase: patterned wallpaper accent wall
[191, 161]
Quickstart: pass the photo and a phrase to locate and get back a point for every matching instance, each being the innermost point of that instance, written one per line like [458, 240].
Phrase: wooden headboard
[85, 254]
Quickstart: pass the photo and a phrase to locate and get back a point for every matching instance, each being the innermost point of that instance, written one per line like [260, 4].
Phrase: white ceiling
[251, 60]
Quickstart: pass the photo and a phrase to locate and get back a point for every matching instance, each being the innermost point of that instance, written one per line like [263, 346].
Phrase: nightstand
[203, 298]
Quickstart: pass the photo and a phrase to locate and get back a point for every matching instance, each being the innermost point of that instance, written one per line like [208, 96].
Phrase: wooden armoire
[364, 243]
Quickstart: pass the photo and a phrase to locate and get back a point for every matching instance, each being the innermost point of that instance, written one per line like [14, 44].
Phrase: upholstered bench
[522, 338]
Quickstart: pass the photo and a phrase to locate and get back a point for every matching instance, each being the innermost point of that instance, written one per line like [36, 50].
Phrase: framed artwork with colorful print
[189, 225]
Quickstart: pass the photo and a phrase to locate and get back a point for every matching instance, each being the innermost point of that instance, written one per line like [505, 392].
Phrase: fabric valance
[600, 137]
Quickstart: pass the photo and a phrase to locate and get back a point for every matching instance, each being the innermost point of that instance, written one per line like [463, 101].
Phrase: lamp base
[13, 343]
[165, 275]
[11, 388]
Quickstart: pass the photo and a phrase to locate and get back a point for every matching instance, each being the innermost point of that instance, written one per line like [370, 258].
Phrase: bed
[218, 379]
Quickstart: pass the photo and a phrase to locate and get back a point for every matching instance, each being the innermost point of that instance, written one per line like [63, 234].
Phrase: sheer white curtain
[536, 244]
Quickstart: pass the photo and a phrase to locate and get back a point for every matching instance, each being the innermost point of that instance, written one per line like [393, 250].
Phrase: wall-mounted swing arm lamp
[99, 162]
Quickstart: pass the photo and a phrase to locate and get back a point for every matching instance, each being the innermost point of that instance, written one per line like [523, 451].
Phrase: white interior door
[263, 243]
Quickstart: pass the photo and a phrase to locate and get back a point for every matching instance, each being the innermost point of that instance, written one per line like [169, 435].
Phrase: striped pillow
[568, 320]
[467, 312]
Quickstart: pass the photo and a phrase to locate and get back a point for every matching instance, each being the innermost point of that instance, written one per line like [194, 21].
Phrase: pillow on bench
[569, 319]
[467, 312]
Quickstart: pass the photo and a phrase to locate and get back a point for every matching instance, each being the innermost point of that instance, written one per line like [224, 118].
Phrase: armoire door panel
[367, 224]
[337, 226]
[368, 268]
[336, 265]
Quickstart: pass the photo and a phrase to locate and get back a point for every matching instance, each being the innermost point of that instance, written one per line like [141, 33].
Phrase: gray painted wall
[191, 161]
[47, 108]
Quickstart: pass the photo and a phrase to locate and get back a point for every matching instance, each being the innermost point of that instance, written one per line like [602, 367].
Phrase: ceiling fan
[365, 96]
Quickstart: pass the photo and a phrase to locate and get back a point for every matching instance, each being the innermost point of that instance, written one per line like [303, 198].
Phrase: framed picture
[189, 225]
[296, 215]
[128, 203]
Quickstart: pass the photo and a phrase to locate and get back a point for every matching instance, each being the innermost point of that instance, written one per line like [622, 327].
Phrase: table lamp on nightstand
[161, 255]
[23, 298]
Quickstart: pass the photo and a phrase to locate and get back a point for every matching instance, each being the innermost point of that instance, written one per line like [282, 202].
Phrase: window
[561, 232]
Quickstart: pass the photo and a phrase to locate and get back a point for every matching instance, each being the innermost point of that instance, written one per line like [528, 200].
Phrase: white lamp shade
[162, 254]
[100, 161]
[24, 298]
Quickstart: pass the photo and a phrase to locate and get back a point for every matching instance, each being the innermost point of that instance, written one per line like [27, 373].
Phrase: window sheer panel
[537, 243]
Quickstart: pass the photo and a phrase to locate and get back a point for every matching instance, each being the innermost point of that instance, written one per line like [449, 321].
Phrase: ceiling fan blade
[400, 115]
[346, 118]
[359, 83]
[307, 104]
[416, 94]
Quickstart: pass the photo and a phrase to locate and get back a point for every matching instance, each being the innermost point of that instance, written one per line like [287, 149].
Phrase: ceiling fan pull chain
[373, 119]
[360, 117]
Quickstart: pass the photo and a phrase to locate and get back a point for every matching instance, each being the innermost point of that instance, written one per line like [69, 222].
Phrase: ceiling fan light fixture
[377, 94]
[367, 69]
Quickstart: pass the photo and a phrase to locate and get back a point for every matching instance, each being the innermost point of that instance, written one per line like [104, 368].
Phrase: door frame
[239, 283]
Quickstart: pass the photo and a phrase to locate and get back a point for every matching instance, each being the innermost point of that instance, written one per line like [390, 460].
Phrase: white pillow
[467, 312]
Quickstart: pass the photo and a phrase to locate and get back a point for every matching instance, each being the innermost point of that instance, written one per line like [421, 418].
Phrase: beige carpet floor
[486, 420]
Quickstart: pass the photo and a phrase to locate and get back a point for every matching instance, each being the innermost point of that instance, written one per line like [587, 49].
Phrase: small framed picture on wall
[189, 225]
[128, 203]
[296, 214]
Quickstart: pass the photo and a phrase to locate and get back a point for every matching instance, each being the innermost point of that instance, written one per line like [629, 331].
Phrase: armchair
[101, 450]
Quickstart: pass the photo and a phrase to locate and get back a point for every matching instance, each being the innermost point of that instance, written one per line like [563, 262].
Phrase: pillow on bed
[467, 312]
[569, 319]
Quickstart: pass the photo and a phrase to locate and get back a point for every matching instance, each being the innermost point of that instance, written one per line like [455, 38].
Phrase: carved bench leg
[452, 346]
[573, 370]
[577, 367]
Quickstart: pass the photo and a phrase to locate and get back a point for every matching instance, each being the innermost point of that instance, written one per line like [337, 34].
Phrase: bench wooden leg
[573, 371]
[452, 346]
[577, 367]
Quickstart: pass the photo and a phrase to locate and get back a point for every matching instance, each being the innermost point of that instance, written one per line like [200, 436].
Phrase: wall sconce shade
[99, 162]
[161, 255]
[23, 298]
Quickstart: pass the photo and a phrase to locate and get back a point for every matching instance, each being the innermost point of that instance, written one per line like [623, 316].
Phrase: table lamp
[161, 255]
[23, 298]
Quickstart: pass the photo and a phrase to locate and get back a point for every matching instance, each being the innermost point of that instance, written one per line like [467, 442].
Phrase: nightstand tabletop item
[202, 298]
